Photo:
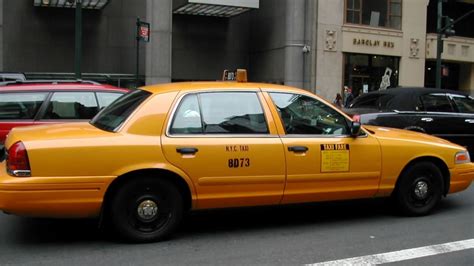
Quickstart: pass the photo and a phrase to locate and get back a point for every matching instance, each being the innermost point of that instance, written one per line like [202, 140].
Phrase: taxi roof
[206, 85]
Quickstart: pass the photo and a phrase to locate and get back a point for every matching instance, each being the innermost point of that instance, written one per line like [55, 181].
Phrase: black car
[447, 114]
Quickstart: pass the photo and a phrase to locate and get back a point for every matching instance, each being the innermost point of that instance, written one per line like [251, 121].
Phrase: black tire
[419, 189]
[146, 209]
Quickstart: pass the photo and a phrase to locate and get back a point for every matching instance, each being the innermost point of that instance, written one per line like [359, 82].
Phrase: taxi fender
[389, 182]
[161, 166]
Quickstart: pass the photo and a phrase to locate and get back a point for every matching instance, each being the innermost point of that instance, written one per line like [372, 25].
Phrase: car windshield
[373, 101]
[365, 101]
[116, 113]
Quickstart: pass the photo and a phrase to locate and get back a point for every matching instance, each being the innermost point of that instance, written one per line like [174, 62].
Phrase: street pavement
[290, 235]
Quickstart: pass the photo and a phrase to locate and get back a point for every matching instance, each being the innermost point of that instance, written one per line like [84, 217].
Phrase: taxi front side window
[220, 113]
[303, 115]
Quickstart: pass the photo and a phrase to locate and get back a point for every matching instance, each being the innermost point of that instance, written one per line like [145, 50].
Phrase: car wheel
[419, 189]
[146, 209]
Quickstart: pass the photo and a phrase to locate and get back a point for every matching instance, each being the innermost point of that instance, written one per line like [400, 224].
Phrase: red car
[26, 103]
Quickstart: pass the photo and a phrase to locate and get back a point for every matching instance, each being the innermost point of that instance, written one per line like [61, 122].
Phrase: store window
[375, 13]
[364, 73]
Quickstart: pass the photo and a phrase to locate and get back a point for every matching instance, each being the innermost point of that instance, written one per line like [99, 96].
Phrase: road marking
[405, 254]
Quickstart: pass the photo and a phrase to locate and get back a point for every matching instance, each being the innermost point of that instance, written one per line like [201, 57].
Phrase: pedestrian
[349, 96]
[338, 101]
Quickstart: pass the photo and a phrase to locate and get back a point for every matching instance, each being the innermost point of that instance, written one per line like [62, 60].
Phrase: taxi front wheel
[146, 209]
[419, 189]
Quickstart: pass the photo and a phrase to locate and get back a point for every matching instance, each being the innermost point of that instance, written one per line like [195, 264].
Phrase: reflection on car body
[144, 160]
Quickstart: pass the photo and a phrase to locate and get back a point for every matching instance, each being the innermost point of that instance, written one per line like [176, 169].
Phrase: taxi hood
[66, 131]
[407, 135]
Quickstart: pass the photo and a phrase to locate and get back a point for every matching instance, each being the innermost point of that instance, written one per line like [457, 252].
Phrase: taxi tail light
[17, 160]
[356, 118]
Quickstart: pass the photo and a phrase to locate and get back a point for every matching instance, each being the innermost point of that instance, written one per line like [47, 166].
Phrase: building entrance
[364, 73]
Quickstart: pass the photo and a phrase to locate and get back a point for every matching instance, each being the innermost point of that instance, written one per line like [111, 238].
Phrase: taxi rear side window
[219, 113]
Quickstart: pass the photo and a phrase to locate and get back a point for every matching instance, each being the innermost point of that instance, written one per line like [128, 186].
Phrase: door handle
[470, 121]
[427, 119]
[298, 148]
[187, 150]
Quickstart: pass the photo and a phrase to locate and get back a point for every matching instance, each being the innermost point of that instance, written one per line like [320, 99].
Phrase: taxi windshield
[116, 113]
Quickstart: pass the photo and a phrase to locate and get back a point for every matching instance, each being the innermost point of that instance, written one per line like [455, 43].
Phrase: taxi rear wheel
[419, 189]
[146, 209]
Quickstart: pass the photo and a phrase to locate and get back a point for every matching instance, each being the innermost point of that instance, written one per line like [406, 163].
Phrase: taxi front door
[323, 161]
[227, 144]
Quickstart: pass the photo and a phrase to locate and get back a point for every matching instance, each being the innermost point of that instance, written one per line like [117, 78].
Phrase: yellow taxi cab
[163, 150]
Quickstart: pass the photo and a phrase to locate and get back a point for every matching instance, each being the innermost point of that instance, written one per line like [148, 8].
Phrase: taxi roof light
[239, 75]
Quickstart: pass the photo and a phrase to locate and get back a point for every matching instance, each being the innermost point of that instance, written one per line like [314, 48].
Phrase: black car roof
[403, 98]
[416, 90]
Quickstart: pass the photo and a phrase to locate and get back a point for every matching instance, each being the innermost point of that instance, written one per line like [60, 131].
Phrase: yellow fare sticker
[334, 157]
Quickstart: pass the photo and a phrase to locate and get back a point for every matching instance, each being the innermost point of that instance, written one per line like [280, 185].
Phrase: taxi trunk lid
[69, 131]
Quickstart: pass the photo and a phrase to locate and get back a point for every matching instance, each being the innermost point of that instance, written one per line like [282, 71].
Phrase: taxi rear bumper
[55, 197]
[462, 176]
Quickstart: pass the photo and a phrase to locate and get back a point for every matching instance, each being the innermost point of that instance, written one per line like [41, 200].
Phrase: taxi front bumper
[461, 177]
[58, 197]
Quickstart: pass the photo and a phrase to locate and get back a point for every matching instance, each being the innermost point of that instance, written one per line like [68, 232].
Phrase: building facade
[371, 44]
[319, 45]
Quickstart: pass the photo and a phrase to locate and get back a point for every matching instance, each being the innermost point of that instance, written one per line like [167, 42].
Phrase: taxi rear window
[116, 113]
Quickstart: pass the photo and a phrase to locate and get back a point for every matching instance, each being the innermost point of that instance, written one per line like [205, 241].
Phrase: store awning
[86, 4]
[215, 8]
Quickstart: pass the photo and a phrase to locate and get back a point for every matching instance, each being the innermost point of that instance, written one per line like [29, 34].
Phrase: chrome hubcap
[421, 189]
[147, 210]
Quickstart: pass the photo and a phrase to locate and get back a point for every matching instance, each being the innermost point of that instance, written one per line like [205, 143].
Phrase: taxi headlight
[462, 157]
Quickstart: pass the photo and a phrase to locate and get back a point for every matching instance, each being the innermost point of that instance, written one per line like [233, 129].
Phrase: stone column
[412, 62]
[329, 69]
[295, 41]
[466, 78]
[158, 50]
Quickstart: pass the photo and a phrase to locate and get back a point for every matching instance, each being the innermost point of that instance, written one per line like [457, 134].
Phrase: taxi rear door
[227, 143]
[323, 161]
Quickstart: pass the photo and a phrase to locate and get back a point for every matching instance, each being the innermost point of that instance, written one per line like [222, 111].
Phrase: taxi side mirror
[355, 129]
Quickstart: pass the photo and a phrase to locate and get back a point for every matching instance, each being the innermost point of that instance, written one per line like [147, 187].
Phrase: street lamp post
[142, 34]
[78, 41]
[137, 66]
[439, 48]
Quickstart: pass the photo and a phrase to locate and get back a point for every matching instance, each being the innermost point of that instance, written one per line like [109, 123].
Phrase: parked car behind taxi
[38, 102]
